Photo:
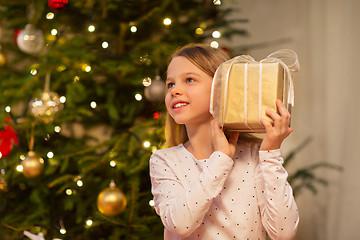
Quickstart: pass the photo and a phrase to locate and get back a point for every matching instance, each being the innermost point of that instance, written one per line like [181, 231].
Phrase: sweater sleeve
[183, 209]
[279, 212]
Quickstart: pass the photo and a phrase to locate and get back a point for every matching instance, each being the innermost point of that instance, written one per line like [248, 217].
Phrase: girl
[208, 187]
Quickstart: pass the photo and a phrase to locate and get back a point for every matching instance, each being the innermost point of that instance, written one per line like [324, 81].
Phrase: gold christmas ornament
[111, 201]
[32, 165]
[2, 58]
[46, 106]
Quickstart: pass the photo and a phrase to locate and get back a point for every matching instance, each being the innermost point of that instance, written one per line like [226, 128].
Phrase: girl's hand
[279, 130]
[219, 141]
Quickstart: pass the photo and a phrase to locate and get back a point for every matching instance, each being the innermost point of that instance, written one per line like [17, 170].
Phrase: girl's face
[188, 92]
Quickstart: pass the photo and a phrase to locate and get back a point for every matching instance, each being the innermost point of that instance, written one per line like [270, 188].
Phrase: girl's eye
[170, 85]
[190, 80]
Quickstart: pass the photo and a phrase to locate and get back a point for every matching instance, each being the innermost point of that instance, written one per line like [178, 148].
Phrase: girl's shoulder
[168, 152]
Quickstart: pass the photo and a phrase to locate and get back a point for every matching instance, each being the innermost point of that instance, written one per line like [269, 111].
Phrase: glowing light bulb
[50, 154]
[146, 144]
[68, 192]
[105, 45]
[133, 29]
[138, 97]
[54, 32]
[112, 163]
[57, 129]
[22, 157]
[91, 28]
[63, 231]
[216, 34]
[146, 82]
[87, 68]
[152, 203]
[93, 104]
[7, 109]
[62, 99]
[199, 31]
[89, 222]
[19, 168]
[214, 44]
[33, 71]
[50, 15]
[76, 78]
[167, 21]
[79, 183]
[217, 2]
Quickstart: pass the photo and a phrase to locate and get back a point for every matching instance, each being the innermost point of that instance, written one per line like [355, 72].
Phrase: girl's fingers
[277, 132]
[282, 109]
[215, 128]
[217, 133]
[281, 119]
[273, 115]
[267, 125]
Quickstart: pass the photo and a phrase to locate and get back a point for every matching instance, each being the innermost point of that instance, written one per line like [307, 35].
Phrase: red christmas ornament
[156, 115]
[58, 4]
[8, 138]
[16, 33]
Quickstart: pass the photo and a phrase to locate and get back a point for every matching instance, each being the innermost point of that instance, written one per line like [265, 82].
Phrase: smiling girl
[210, 186]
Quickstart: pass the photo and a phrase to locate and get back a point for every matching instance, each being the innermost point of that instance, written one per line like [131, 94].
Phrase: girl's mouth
[179, 105]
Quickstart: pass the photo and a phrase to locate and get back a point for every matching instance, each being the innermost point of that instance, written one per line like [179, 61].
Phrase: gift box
[243, 89]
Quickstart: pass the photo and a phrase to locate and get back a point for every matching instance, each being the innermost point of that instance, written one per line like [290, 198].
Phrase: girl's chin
[180, 122]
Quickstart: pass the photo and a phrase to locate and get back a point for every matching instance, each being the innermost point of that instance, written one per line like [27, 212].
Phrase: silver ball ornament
[156, 91]
[31, 40]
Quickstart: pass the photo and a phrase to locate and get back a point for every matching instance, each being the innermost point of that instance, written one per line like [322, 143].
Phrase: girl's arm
[279, 214]
[278, 209]
[182, 209]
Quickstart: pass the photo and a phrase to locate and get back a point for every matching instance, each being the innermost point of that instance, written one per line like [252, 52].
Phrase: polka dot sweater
[223, 198]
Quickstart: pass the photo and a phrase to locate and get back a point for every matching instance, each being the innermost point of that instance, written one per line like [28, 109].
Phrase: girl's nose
[176, 90]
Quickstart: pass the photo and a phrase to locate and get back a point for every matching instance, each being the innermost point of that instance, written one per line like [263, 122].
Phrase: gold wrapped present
[243, 89]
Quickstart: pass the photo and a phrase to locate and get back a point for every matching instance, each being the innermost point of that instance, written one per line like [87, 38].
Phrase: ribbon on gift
[291, 65]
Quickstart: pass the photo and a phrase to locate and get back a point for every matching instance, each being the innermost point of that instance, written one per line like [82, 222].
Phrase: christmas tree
[76, 132]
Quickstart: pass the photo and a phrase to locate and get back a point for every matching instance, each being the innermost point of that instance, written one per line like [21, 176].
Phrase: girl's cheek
[167, 101]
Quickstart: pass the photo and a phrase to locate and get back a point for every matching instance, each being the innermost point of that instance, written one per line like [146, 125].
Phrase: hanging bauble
[58, 4]
[2, 58]
[46, 106]
[3, 183]
[8, 139]
[111, 201]
[31, 40]
[156, 91]
[32, 165]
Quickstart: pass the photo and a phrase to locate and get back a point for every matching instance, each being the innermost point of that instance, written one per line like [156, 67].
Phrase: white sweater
[223, 198]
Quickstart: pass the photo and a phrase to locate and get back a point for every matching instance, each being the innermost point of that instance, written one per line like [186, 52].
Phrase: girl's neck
[200, 140]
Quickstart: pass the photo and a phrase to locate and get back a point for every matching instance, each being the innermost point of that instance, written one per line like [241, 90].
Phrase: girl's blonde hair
[207, 59]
